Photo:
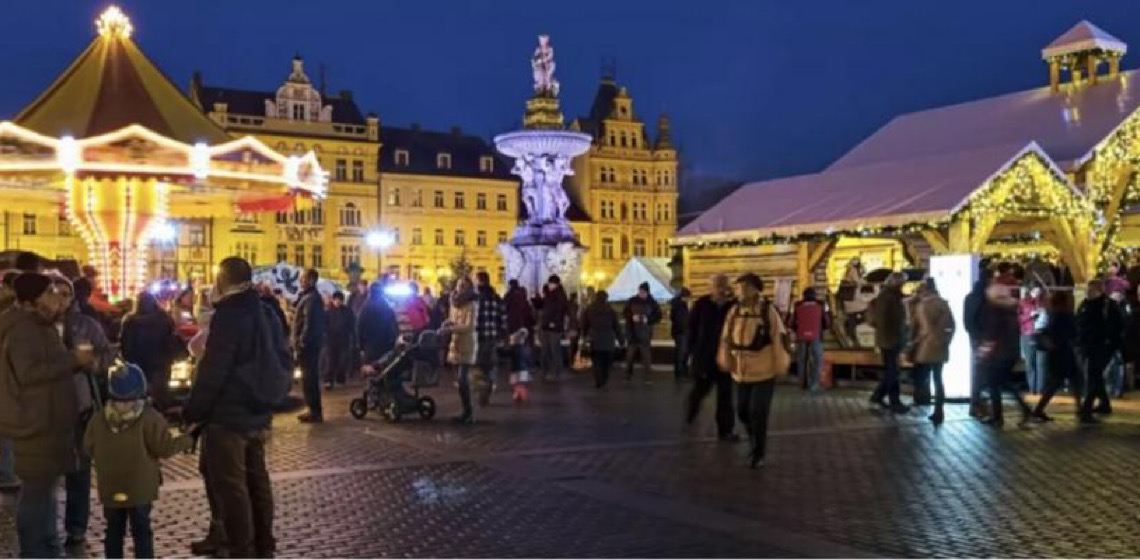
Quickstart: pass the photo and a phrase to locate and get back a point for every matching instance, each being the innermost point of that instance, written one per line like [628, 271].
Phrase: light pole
[164, 233]
[379, 240]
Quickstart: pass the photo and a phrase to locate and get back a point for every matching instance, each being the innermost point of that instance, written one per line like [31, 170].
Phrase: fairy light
[114, 24]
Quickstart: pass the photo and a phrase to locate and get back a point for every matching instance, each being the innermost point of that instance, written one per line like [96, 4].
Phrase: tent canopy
[655, 271]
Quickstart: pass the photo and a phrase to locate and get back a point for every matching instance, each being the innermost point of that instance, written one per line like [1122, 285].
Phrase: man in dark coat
[309, 326]
[551, 324]
[234, 423]
[148, 340]
[1000, 347]
[377, 328]
[340, 341]
[972, 309]
[678, 327]
[1099, 330]
[888, 316]
[641, 313]
[706, 322]
[520, 315]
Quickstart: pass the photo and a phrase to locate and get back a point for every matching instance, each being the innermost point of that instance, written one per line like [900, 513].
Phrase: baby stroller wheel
[358, 408]
[426, 408]
[392, 412]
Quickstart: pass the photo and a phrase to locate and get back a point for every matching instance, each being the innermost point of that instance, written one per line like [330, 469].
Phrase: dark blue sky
[756, 89]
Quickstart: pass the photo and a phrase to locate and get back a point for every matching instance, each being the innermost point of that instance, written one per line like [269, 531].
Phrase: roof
[424, 145]
[603, 105]
[892, 193]
[111, 85]
[1066, 125]
[654, 271]
[250, 102]
[1083, 36]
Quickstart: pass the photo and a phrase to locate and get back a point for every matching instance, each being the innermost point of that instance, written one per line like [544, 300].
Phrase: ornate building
[627, 183]
[295, 119]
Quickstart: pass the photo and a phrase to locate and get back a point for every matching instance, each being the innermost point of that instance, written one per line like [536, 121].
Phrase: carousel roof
[111, 85]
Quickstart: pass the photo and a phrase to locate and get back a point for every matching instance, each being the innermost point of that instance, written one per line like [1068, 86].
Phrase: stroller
[415, 363]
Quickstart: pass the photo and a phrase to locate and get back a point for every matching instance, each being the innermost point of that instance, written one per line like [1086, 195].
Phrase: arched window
[349, 215]
[623, 139]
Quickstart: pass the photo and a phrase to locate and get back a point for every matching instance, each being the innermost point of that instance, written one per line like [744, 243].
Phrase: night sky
[756, 89]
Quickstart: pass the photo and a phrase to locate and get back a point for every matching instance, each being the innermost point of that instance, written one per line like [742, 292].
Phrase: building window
[417, 198]
[414, 272]
[393, 272]
[282, 217]
[197, 235]
[394, 197]
[402, 158]
[501, 202]
[481, 201]
[247, 251]
[481, 238]
[358, 171]
[502, 237]
[438, 199]
[487, 164]
[417, 236]
[607, 248]
[29, 224]
[502, 275]
[246, 218]
[318, 256]
[639, 247]
[443, 161]
[613, 138]
[607, 210]
[460, 201]
[439, 237]
[662, 248]
[299, 256]
[349, 215]
[64, 226]
[349, 255]
[460, 238]
[317, 213]
[298, 111]
[299, 217]
[341, 171]
[282, 253]
[623, 140]
[395, 236]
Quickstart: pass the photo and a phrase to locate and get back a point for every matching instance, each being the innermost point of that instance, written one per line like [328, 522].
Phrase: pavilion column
[1054, 75]
[959, 235]
[1113, 66]
[1092, 69]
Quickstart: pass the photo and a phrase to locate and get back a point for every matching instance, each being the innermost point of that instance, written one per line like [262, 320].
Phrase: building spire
[664, 139]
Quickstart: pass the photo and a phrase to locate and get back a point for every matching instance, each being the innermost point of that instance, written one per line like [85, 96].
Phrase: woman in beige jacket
[933, 330]
[464, 344]
[752, 350]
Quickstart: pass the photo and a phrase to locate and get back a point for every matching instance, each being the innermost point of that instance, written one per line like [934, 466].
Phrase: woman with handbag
[933, 331]
[753, 349]
[1058, 339]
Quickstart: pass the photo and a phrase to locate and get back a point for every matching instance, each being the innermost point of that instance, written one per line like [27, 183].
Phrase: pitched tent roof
[655, 271]
[111, 85]
[891, 193]
[1067, 125]
[1083, 36]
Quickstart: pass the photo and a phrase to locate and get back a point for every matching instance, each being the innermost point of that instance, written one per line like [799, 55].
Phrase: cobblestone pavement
[616, 474]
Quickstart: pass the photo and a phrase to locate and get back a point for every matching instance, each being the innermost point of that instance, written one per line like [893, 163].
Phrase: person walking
[752, 350]
[810, 320]
[641, 313]
[972, 312]
[1058, 339]
[602, 334]
[552, 325]
[244, 373]
[933, 330]
[462, 351]
[999, 349]
[309, 326]
[126, 440]
[1099, 329]
[706, 323]
[9, 482]
[490, 333]
[678, 329]
[340, 342]
[888, 316]
[1028, 310]
[150, 341]
[38, 408]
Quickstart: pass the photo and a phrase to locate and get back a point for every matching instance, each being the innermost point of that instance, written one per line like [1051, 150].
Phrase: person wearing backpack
[809, 321]
[244, 372]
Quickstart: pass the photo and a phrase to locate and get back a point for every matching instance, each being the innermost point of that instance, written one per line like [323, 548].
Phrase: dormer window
[402, 158]
[487, 164]
[443, 161]
[298, 112]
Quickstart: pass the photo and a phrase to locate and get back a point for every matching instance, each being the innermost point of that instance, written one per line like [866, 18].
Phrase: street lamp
[164, 233]
[379, 240]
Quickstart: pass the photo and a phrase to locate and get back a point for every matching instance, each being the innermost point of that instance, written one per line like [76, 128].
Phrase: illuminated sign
[955, 276]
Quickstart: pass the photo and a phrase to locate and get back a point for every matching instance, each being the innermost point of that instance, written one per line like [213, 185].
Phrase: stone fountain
[544, 243]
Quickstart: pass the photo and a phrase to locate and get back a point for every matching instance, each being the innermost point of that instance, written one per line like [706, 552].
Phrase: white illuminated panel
[955, 276]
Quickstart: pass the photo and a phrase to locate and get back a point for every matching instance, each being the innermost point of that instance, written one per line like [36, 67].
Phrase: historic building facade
[626, 182]
[296, 118]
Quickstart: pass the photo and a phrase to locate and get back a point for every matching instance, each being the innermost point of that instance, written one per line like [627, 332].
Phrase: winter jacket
[520, 315]
[309, 322]
[82, 329]
[376, 329]
[640, 316]
[38, 406]
[734, 354]
[678, 317]
[1100, 326]
[278, 311]
[972, 308]
[934, 329]
[148, 339]
[126, 452]
[220, 394]
[1027, 310]
[1061, 332]
[417, 313]
[555, 306]
[600, 327]
[888, 316]
[706, 323]
[1000, 331]
[464, 346]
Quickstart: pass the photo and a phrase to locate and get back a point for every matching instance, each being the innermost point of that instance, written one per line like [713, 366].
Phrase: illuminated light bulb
[114, 24]
[67, 154]
[200, 161]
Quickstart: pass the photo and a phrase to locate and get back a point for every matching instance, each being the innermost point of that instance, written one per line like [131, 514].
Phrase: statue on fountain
[542, 63]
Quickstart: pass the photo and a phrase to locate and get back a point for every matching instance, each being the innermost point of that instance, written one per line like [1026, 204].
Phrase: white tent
[655, 271]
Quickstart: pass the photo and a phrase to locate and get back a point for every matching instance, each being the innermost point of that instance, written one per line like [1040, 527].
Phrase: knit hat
[30, 286]
[126, 382]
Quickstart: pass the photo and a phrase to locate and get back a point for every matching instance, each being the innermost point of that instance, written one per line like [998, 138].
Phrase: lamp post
[379, 240]
[164, 233]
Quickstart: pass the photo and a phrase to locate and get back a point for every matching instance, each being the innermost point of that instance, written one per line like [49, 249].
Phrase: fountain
[545, 243]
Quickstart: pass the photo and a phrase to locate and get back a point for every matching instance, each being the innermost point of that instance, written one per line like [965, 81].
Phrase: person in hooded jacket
[602, 333]
[972, 311]
[340, 342]
[1000, 348]
[888, 316]
[520, 315]
[641, 313]
[552, 325]
[149, 341]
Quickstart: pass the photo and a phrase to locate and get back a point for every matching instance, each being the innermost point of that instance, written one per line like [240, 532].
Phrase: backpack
[809, 321]
[271, 365]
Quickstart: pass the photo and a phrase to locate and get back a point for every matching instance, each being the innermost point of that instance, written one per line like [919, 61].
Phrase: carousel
[119, 150]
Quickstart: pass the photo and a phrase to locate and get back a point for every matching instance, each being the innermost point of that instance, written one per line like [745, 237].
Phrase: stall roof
[655, 271]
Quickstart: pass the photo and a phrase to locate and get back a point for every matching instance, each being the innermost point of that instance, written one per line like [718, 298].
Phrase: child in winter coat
[125, 443]
[521, 365]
